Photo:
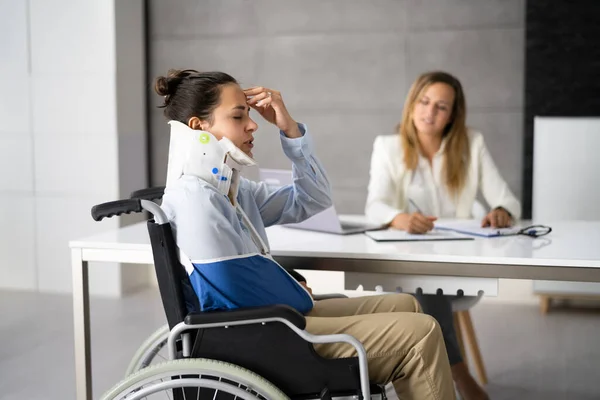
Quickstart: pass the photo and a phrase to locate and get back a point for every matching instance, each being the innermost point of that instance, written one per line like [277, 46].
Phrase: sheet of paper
[394, 235]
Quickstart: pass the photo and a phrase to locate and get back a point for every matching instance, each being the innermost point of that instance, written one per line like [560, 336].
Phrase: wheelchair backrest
[176, 292]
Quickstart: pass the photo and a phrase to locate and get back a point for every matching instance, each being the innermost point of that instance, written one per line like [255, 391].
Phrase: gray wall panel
[344, 67]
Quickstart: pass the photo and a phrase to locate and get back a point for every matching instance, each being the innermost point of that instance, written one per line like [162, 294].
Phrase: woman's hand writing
[413, 223]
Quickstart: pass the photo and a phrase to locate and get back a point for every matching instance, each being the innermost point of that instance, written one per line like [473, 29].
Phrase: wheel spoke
[216, 392]
[183, 389]
[167, 392]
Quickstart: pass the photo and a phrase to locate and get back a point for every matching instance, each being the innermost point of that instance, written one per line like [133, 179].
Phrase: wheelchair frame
[206, 320]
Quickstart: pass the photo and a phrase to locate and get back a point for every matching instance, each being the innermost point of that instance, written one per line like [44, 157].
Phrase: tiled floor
[527, 356]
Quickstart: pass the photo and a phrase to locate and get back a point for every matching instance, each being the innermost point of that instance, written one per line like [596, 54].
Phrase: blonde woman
[433, 168]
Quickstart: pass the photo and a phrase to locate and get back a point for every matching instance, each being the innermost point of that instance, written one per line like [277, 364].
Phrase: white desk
[570, 253]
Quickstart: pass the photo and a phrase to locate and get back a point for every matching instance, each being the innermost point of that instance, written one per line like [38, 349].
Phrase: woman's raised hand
[269, 104]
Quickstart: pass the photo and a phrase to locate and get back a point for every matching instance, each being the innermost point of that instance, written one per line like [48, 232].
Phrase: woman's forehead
[440, 89]
[232, 94]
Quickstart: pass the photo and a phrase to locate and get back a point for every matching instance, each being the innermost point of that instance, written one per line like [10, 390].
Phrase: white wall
[62, 135]
[569, 188]
[17, 201]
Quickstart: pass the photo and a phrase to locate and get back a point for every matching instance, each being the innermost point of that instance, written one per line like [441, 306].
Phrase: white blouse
[391, 185]
[427, 189]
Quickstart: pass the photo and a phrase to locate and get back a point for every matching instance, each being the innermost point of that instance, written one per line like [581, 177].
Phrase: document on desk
[395, 235]
[473, 227]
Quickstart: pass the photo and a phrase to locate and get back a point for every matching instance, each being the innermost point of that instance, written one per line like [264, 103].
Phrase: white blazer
[389, 181]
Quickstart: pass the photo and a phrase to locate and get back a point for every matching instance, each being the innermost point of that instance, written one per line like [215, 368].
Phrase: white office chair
[465, 332]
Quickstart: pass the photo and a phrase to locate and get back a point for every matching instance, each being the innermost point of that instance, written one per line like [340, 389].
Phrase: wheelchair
[248, 353]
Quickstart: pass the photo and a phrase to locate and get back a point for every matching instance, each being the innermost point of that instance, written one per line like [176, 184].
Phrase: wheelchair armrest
[245, 314]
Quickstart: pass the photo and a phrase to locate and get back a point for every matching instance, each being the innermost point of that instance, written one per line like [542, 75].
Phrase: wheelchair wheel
[208, 379]
[149, 350]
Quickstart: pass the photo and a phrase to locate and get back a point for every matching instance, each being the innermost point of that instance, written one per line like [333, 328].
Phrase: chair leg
[544, 304]
[467, 324]
[460, 337]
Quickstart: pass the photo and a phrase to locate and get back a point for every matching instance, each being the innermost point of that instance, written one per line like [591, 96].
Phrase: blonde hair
[456, 151]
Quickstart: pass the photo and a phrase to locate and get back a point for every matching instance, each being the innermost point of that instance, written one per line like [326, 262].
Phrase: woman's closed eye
[241, 116]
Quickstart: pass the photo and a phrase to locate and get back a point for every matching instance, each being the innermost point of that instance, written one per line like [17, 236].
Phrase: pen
[415, 205]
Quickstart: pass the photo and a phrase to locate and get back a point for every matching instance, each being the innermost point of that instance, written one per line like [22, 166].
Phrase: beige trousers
[403, 345]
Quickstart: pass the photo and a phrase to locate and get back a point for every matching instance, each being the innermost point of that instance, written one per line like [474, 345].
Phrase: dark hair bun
[161, 86]
[166, 86]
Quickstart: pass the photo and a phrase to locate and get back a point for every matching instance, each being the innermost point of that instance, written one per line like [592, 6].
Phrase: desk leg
[81, 320]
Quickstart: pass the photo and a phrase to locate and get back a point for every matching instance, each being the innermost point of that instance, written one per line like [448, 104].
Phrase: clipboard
[473, 228]
[395, 235]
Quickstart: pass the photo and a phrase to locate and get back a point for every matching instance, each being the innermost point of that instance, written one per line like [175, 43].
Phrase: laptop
[327, 220]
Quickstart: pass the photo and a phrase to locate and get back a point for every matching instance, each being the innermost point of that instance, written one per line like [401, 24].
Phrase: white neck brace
[199, 153]
[218, 162]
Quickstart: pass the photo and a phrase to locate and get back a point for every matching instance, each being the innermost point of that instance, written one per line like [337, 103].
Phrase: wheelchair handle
[118, 207]
[153, 193]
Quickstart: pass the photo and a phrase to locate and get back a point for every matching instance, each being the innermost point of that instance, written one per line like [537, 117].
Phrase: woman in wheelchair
[219, 221]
